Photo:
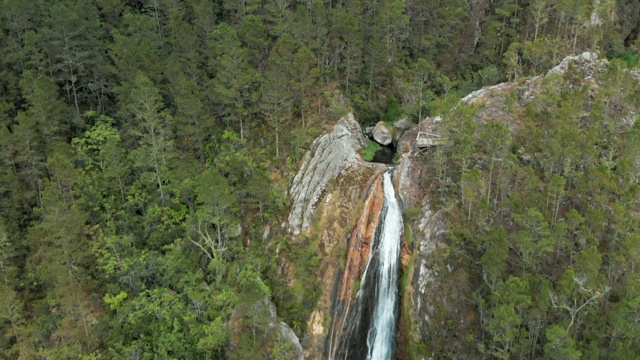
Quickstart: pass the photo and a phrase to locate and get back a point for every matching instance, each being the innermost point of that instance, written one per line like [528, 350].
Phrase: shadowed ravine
[371, 320]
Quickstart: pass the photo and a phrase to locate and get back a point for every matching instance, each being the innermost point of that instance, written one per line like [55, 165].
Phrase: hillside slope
[527, 244]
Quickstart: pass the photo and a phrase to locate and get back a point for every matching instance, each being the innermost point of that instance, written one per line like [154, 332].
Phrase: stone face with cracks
[431, 230]
[329, 156]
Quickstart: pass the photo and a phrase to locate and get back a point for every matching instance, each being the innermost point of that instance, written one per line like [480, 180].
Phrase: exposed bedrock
[330, 195]
[331, 155]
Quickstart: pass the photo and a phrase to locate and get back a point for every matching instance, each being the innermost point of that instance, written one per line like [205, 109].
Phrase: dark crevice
[385, 155]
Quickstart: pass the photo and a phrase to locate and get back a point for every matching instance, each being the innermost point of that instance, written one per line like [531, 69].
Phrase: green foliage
[631, 59]
[369, 151]
[394, 111]
[443, 104]
[535, 252]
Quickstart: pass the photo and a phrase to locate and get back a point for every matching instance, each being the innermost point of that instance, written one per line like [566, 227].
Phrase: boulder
[381, 134]
[369, 131]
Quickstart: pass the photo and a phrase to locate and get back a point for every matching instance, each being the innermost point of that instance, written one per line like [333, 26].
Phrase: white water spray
[380, 338]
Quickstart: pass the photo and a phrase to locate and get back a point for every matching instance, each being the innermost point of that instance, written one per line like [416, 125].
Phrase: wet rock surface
[358, 251]
[327, 195]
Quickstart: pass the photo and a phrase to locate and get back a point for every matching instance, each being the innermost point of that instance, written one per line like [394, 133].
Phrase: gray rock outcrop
[407, 178]
[587, 61]
[430, 230]
[403, 123]
[292, 343]
[262, 315]
[329, 156]
[381, 134]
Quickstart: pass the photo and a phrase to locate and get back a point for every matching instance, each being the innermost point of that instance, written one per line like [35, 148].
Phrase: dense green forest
[146, 147]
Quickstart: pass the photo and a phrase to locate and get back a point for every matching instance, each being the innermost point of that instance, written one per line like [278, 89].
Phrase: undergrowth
[369, 151]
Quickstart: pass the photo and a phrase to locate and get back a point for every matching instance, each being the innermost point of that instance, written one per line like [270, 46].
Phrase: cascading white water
[380, 339]
[366, 327]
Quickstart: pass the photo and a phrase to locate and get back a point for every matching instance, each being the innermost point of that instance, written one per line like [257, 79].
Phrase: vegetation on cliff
[542, 210]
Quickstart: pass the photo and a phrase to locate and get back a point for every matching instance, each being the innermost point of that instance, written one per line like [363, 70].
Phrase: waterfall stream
[381, 335]
[366, 327]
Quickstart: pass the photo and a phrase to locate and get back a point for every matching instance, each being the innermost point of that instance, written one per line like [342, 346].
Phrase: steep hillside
[528, 243]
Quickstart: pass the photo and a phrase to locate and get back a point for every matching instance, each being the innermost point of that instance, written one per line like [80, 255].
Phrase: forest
[146, 147]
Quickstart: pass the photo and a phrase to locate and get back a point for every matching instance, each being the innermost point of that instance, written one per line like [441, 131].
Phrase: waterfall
[366, 327]
[380, 338]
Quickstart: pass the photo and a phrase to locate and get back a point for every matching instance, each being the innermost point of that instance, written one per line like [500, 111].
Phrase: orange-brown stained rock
[405, 254]
[359, 245]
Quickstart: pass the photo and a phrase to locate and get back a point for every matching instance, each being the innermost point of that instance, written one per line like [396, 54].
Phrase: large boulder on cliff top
[381, 134]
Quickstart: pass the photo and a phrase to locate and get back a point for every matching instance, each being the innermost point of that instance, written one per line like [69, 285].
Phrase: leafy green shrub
[394, 111]
[369, 151]
[631, 59]
[412, 214]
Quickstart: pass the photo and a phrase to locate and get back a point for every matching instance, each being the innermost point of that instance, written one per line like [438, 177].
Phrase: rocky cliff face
[332, 192]
[358, 251]
[338, 197]
[332, 155]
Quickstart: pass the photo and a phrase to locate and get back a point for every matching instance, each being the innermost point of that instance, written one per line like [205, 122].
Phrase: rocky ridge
[330, 156]
[498, 102]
